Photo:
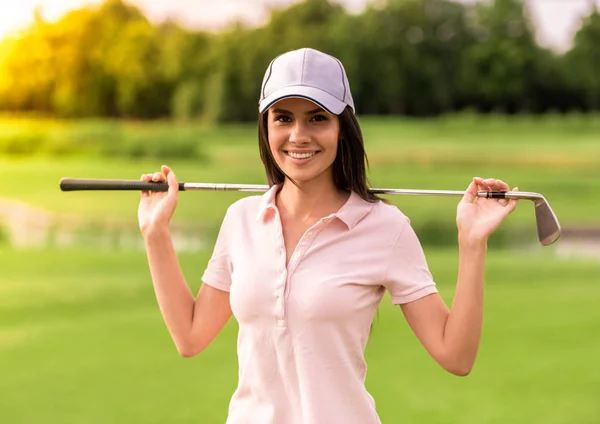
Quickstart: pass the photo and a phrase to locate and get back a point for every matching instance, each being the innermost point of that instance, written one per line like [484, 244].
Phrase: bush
[4, 236]
[437, 233]
[187, 101]
[22, 143]
[104, 138]
[164, 143]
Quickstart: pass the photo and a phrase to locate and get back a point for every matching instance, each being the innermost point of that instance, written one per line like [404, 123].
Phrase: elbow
[459, 371]
[188, 350]
[461, 367]
[184, 353]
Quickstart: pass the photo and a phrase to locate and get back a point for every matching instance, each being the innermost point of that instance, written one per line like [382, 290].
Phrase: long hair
[350, 164]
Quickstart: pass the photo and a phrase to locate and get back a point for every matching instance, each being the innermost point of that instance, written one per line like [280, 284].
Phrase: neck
[309, 201]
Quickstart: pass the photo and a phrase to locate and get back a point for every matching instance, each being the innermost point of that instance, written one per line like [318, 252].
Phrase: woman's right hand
[156, 208]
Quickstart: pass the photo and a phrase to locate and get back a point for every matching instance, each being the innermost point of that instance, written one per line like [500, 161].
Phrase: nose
[299, 135]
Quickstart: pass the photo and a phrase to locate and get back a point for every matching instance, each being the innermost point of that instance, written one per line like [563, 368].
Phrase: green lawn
[82, 341]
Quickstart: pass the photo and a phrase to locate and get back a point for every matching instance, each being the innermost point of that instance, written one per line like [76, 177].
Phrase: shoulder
[240, 214]
[246, 203]
[389, 215]
[384, 224]
[397, 232]
[245, 206]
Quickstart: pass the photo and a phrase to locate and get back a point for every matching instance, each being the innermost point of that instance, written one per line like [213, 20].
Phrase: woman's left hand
[477, 218]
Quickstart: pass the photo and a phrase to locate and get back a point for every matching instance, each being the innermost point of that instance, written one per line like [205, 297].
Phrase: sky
[555, 19]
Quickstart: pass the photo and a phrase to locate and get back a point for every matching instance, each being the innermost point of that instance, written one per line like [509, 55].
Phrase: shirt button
[280, 323]
[310, 235]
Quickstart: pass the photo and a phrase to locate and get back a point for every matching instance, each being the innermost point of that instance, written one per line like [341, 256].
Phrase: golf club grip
[495, 195]
[75, 184]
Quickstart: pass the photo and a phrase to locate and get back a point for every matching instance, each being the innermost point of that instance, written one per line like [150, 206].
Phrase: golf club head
[548, 227]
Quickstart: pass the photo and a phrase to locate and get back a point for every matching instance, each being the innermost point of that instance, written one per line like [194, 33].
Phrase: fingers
[512, 204]
[157, 177]
[483, 184]
[471, 193]
[171, 179]
[480, 184]
[145, 177]
[492, 184]
[502, 186]
[495, 185]
[154, 177]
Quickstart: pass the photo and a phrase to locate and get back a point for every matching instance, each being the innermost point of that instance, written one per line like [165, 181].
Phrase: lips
[301, 155]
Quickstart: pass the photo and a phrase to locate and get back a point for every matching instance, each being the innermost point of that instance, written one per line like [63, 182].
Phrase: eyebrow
[310, 112]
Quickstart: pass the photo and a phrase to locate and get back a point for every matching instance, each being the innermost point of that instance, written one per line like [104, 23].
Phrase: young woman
[304, 266]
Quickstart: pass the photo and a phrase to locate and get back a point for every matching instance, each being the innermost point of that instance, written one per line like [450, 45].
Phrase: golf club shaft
[548, 227]
[78, 184]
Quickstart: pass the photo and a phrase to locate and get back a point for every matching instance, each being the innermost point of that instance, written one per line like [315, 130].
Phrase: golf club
[548, 227]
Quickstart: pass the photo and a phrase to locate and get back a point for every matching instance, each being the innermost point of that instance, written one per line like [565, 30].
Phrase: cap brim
[321, 98]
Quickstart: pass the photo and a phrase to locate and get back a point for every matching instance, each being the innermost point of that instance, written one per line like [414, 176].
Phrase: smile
[306, 155]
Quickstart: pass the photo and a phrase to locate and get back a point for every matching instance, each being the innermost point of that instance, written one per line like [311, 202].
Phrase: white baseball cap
[309, 74]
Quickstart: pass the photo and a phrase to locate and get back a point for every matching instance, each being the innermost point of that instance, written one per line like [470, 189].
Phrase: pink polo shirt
[303, 328]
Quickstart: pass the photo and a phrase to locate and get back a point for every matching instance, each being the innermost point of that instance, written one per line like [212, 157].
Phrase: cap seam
[268, 76]
[303, 64]
[343, 79]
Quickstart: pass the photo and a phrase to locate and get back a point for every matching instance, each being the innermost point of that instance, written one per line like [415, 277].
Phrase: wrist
[469, 241]
[155, 232]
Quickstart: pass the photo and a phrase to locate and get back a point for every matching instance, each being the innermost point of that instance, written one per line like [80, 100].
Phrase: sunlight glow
[19, 14]
[556, 19]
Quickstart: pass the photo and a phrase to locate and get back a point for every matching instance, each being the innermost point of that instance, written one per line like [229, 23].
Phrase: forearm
[462, 332]
[175, 299]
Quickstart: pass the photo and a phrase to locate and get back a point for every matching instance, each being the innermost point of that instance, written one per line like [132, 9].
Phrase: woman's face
[303, 139]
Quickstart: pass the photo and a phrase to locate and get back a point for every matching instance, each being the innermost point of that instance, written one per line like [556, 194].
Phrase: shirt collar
[355, 208]
[267, 204]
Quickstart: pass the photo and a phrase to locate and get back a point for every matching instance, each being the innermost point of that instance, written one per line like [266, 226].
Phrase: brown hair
[350, 164]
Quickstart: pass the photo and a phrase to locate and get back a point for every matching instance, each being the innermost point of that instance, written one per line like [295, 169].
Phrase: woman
[304, 266]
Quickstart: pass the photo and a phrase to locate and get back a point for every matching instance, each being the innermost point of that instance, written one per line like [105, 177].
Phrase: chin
[308, 177]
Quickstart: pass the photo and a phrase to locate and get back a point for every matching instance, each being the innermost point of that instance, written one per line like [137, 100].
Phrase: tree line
[409, 57]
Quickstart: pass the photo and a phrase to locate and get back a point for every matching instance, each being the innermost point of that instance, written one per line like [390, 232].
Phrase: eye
[320, 118]
[282, 118]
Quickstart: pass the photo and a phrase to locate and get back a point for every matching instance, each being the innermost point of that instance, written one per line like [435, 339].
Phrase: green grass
[82, 341]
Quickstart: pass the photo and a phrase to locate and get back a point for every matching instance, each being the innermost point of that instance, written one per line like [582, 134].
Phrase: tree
[412, 57]
[498, 69]
[582, 63]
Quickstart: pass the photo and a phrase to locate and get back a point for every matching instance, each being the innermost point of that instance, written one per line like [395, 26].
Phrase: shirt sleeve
[219, 268]
[407, 276]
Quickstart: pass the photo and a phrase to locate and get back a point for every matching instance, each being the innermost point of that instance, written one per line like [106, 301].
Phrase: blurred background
[445, 90]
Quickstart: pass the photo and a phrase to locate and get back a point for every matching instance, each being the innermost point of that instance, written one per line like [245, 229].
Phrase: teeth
[301, 155]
